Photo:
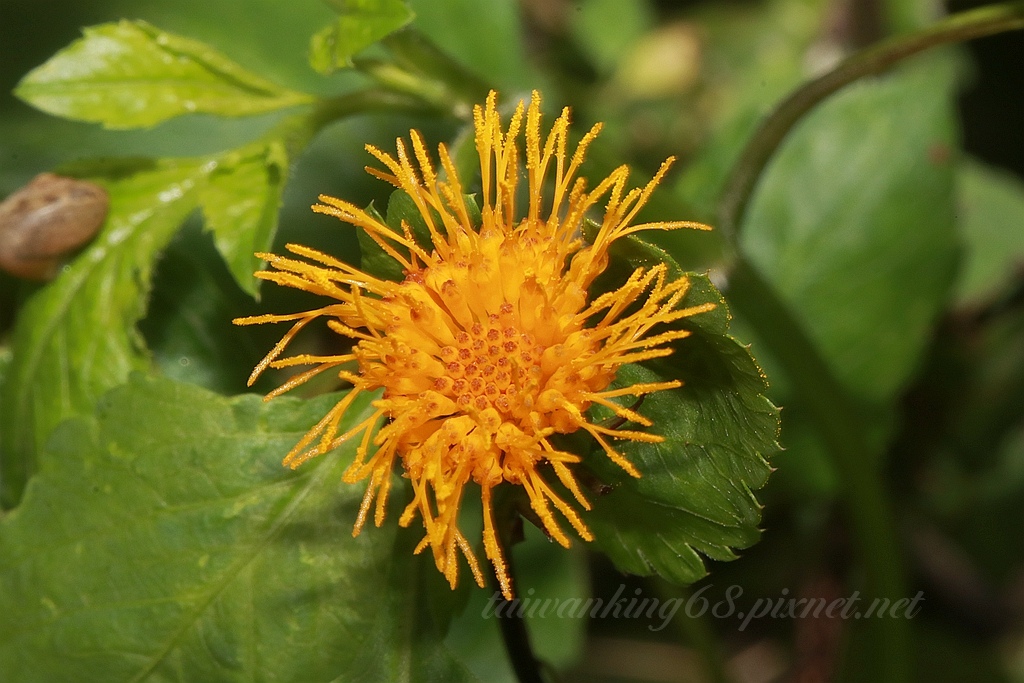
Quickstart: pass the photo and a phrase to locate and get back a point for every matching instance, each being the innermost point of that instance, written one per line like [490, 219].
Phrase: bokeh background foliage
[158, 538]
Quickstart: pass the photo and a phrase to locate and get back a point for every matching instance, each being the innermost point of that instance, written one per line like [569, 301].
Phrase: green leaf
[241, 203]
[412, 604]
[131, 75]
[76, 337]
[62, 365]
[163, 540]
[854, 224]
[991, 219]
[695, 494]
[360, 23]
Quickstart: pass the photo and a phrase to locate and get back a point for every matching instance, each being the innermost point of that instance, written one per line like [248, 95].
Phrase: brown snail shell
[47, 219]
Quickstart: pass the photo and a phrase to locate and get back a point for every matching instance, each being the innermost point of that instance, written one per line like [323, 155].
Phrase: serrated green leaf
[694, 494]
[991, 217]
[133, 75]
[360, 23]
[76, 337]
[240, 203]
[854, 224]
[163, 540]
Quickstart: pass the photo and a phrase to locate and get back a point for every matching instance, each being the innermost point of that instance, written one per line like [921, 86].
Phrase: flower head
[490, 345]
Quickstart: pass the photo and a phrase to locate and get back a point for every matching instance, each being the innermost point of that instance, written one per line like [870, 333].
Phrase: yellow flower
[489, 346]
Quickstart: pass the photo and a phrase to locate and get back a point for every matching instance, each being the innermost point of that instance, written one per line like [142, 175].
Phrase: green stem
[875, 59]
[396, 78]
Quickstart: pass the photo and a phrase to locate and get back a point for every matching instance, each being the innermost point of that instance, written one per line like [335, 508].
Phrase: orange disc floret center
[515, 358]
[490, 344]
